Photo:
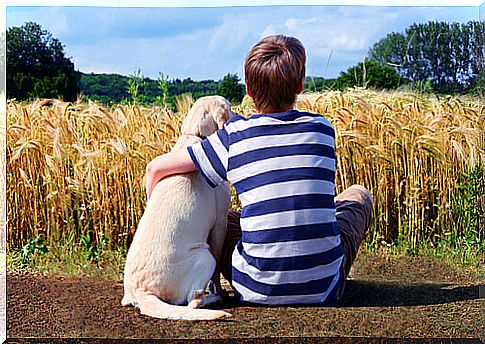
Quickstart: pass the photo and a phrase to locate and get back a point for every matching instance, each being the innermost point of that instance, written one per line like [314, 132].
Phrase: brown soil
[398, 297]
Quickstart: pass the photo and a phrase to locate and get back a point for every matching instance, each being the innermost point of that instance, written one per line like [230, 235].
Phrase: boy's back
[283, 168]
[286, 246]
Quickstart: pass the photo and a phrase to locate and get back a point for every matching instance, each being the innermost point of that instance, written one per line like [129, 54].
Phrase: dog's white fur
[179, 239]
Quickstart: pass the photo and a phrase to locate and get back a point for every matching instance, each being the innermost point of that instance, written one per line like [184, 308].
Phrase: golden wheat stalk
[79, 167]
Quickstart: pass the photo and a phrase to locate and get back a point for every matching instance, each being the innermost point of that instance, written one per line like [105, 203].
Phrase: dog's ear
[198, 122]
[223, 113]
[207, 115]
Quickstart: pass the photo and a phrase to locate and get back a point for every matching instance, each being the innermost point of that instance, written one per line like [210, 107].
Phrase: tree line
[436, 56]
[113, 88]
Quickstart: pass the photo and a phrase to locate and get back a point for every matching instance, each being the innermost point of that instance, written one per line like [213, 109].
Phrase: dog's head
[207, 115]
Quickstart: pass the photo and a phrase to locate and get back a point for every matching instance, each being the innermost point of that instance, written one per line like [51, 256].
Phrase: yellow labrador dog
[179, 239]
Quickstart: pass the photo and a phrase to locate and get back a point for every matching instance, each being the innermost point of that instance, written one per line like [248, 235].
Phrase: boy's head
[275, 72]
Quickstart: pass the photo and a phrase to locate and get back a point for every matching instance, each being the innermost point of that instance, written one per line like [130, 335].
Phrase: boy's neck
[275, 111]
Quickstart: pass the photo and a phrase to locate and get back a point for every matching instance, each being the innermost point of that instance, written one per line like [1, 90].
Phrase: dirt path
[399, 297]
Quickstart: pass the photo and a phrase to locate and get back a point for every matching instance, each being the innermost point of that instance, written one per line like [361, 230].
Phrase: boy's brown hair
[274, 70]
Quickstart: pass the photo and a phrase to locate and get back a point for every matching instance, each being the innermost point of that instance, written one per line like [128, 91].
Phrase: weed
[136, 82]
[465, 209]
[33, 246]
[93, 249]
[162, 84]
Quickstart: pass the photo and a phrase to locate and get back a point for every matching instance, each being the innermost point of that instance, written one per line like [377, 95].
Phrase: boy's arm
[165, 165]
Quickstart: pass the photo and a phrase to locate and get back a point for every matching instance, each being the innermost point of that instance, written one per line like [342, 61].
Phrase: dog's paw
[210, 299]
[217, 289]
[196, 303]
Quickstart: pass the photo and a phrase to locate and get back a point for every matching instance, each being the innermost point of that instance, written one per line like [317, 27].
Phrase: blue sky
[207, 43]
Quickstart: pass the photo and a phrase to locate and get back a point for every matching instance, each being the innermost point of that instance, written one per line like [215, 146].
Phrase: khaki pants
[354, 208]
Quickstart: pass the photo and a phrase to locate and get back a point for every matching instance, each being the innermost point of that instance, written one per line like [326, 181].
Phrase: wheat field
[79, 167]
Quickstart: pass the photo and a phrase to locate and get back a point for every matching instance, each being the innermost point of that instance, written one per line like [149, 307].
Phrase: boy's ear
[247, 91]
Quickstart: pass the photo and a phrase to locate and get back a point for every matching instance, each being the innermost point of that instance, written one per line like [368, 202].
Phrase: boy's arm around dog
[165, 165]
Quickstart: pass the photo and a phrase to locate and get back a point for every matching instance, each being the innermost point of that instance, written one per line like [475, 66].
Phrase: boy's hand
[166, 165]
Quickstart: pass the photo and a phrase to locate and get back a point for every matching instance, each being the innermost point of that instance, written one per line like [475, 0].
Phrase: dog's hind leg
[128, 298]
[200, 299]
[216, 243]
[128, 301]
[202, 270]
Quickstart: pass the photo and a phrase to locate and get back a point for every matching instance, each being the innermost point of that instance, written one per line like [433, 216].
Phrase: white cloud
[345, 34]
[321, 36]
[201, 53]
[230, 35]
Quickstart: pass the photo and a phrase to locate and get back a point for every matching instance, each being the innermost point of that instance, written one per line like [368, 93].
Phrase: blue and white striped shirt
[283, 169]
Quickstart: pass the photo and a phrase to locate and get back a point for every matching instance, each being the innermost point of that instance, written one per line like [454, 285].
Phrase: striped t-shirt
[283, 169]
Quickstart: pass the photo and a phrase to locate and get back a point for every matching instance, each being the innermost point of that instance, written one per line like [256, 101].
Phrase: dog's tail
[152, 306]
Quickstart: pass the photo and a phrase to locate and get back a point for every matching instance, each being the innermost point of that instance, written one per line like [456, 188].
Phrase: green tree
[390, 51]
[449, 55]
[114, 88]
[318, 84]
[231, 89]
[37, 66]
[106, 88]
[369, 74]
[477, 78]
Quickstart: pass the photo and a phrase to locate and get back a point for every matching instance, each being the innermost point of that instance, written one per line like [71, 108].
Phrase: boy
[294, 242]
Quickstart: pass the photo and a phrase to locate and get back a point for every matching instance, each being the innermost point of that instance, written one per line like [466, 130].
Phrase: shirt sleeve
[210, 156]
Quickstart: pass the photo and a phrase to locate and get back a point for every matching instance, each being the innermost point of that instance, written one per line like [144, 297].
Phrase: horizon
[209, 43]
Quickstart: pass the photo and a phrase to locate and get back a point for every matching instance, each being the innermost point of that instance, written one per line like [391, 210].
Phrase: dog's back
[169, 257]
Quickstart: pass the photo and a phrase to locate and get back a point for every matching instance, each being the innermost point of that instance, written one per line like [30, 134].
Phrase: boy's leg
[354, 213]
[233, 234]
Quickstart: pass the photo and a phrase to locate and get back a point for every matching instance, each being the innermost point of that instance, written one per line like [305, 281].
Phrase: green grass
[463, 258]
[74, 259]
[70, 260]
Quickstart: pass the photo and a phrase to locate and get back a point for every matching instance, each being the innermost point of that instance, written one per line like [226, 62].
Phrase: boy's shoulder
[235, 119]
[290, 115]
[295, 117]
